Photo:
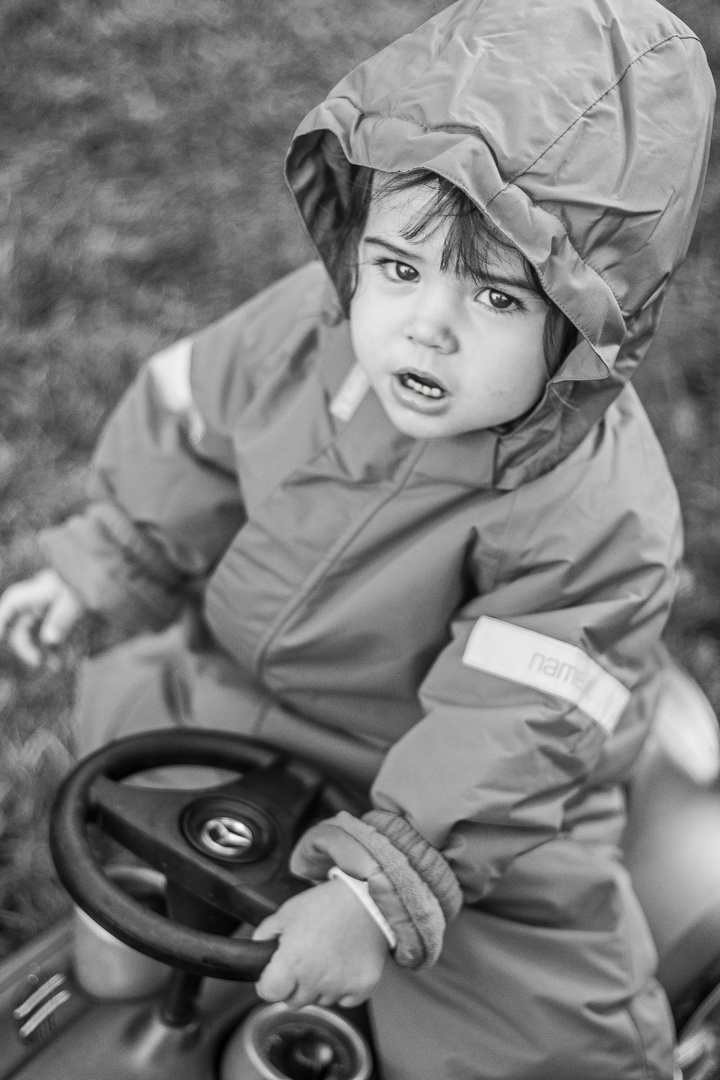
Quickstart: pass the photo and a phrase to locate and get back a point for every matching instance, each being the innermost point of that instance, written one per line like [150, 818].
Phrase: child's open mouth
[420, 393]
[421, 384]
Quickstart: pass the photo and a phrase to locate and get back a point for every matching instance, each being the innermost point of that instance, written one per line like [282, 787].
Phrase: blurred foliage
[141, 196]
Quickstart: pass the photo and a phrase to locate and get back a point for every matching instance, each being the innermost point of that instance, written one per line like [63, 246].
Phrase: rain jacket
[482, 613]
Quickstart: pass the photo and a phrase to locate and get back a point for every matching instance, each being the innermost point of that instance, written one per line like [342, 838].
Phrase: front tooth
[421, 388]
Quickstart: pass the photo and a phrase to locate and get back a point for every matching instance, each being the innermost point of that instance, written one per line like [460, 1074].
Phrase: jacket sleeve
[165, 496]
[529, 698]
[164, 501]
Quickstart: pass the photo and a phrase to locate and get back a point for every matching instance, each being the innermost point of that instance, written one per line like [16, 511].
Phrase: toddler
[430, 532]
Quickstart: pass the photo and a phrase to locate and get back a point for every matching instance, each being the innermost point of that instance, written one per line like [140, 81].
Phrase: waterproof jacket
[486, 608]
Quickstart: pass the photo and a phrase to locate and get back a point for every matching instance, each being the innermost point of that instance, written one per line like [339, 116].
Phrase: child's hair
[470, 242]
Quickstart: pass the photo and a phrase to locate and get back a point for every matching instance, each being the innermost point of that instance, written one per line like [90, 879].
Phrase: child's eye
[397, 271]
[497, 300]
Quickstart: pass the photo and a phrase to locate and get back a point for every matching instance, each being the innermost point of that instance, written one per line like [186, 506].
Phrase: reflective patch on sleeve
[557, 668]
[170, 372]
[348, 398]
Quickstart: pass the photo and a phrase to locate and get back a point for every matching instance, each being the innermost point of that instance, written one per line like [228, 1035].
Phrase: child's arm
[157, 470]
[166, 501]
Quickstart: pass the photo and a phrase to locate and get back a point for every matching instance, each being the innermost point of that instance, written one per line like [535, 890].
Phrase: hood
[580, 128]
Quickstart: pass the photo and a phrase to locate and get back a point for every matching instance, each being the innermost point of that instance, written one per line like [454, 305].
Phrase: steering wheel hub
[229, 829]
[226, 837]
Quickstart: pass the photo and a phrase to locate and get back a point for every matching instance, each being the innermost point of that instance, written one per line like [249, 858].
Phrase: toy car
[152, 978]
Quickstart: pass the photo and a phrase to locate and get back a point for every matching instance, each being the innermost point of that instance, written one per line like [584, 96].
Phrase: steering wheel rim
[76, 806]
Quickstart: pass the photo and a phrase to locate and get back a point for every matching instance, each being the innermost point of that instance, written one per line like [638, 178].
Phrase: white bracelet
[362, 891]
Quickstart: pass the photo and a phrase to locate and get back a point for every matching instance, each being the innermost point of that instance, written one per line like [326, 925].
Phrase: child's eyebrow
[490, 278]
[402, 253]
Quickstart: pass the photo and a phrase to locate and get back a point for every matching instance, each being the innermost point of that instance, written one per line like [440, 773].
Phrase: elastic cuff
[423, 909]
[423, 857]
[138, 548]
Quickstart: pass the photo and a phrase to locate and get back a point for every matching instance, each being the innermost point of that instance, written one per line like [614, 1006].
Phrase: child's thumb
[266, 930]
[61, 616]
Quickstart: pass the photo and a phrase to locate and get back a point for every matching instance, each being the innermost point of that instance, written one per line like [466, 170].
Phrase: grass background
[141, 196]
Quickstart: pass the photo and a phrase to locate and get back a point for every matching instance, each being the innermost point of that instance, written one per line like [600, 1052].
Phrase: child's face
[444, 354]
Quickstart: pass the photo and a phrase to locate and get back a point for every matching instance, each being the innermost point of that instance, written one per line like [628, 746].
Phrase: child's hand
[37, 613]
[330, 951]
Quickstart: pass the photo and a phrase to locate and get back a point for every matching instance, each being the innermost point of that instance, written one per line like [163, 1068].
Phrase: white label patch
[170, 371]
[171, 374]
[345, 403]
[526, 657]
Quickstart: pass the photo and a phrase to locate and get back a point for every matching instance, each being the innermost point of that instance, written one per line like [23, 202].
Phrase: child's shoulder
[232, 356]
[266, 318]
[615, 483]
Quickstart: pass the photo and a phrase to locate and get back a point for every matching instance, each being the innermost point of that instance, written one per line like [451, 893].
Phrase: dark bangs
[472, 244]
[473, 247]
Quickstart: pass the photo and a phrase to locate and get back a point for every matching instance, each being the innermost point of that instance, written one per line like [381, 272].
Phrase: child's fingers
[279, 980]
[32, 596]
[277, 983]
[12, 602]
[20, 639]
[266, 930]
[302, 995]
[43, 602]
[351, 1001]
[61, 616]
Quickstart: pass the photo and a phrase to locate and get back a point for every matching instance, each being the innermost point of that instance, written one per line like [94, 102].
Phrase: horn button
[228, 829]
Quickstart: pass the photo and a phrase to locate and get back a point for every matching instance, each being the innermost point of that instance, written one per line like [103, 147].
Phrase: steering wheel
[224, 850]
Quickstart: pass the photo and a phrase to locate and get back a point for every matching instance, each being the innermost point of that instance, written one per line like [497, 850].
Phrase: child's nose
[431, 325]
